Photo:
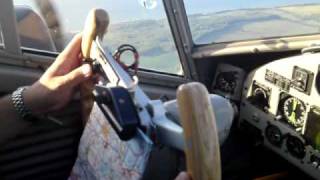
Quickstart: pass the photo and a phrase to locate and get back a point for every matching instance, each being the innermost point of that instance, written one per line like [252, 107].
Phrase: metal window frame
[180, 30]
[9, 28]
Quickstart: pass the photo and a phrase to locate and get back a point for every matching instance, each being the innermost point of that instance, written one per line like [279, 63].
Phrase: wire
[123, 48]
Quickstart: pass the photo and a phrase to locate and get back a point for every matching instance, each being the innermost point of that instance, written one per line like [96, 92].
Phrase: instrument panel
[281, 101]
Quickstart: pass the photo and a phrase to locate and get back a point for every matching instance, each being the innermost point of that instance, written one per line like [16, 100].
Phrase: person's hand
[183, 176]
[57, 85]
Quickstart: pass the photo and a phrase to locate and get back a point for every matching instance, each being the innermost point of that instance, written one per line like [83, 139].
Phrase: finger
[70, 55]
[183, 176]
[77, 76]
[68, 59]
[73, 48]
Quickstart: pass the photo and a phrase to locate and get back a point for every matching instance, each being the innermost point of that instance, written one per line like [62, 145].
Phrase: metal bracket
[117, 106]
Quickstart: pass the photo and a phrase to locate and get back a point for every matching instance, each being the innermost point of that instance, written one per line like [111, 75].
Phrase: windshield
[214, 21]
[142, 24]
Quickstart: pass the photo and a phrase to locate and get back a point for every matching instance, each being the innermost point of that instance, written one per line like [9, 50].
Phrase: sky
[73, 12]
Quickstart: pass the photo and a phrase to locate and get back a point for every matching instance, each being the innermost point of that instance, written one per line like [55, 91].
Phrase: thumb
[77, 75]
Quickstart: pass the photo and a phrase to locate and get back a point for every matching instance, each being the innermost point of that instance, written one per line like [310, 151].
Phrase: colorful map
[102, 155]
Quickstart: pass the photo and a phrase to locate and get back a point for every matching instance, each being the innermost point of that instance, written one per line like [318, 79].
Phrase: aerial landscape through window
[211, 21]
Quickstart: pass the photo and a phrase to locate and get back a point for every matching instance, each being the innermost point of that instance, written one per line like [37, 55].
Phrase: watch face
[226, 82]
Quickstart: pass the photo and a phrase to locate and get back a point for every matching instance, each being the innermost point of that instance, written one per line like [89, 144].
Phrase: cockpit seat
[33, 31]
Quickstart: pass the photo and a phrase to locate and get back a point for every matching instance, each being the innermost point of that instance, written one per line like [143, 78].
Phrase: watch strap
[19, 104]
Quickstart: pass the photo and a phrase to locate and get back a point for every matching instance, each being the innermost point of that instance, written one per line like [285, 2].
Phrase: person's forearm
[10, 123]
[52, 92]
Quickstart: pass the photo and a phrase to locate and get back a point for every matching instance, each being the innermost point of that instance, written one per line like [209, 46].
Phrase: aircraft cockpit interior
[222, 90]
[278, 105]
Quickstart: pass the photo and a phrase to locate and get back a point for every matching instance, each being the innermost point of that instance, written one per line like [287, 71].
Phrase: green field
[154, 41]
[255, 23]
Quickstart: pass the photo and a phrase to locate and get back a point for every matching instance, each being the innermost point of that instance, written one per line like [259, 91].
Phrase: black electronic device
[117, 106]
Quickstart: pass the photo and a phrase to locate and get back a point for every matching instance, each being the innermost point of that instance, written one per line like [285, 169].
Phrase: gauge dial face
[260, 96]
[260, 92]
[294, 111]
[295, 147]
[274, 135]
[226, 82]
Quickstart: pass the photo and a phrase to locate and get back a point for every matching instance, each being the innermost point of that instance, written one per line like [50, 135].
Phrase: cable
[123, 48]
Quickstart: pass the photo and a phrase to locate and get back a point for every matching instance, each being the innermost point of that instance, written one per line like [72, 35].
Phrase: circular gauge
[260, 92]
[260, 98]
[274, 135]
[295, 147]
[226, 82]
[294, 111]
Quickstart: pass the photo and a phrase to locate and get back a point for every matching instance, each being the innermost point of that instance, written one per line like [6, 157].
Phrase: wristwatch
[19, 105]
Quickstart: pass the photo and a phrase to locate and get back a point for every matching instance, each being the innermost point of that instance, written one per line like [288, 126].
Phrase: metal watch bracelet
[19, 105]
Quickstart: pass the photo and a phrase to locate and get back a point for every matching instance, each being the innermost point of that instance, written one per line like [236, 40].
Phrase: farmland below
[154, 41]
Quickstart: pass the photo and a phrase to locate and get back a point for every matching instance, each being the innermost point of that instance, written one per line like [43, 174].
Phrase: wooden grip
[95, 26]
[201, 138]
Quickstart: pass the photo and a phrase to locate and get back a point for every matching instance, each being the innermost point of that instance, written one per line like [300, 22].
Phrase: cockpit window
[214, 21]
[134, 22]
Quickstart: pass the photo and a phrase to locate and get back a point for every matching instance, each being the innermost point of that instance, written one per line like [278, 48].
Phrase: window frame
[180, 30]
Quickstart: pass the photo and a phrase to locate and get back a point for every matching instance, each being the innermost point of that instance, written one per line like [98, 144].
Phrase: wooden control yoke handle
[95, 26]
[200, 131]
